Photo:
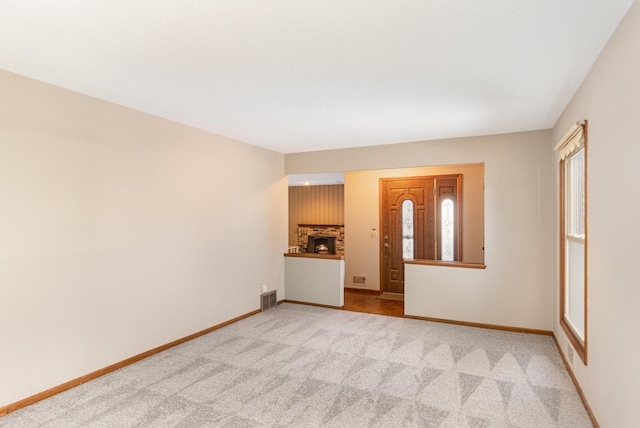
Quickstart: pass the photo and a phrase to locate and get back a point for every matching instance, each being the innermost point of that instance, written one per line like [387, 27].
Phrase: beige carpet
[304, 366]
[398, 297]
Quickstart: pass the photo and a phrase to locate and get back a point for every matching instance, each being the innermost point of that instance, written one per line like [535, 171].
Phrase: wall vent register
[268, 300]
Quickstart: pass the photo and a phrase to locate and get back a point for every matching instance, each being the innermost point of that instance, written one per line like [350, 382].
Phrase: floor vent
[268, 300]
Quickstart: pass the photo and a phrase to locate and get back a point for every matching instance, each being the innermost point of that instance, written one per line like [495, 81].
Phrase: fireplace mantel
[321, 225]
[316, 256]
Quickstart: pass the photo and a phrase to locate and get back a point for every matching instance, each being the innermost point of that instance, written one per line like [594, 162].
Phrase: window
[574, 244]
[573, 238]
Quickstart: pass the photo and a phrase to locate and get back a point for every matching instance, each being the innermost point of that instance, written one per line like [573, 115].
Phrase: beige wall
[362, 215]
[610, 100]
[515, 289]
[314, 280]
[120, 232]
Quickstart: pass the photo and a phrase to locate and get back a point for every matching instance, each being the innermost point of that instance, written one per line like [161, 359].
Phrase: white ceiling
[299, 75]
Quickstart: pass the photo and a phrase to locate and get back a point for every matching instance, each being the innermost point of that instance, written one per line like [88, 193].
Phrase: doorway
[420, 218]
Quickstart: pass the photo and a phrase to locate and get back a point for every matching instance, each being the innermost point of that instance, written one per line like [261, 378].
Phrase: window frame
[566, 234]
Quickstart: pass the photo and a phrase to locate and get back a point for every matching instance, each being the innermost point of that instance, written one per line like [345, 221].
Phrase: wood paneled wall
[315, 205]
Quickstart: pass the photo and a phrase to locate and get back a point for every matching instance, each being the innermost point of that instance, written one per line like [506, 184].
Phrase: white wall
[121, 232]
[610, 100]
[516, 285]
[362, 213]
[314, 280]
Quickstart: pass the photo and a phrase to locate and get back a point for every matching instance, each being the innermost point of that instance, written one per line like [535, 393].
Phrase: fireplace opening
[321, 244]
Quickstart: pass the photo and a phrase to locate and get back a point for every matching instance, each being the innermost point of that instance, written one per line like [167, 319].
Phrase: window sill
[447, 264]
[578, 345]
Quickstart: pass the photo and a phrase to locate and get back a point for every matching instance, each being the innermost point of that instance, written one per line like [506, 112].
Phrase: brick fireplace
[311, 236]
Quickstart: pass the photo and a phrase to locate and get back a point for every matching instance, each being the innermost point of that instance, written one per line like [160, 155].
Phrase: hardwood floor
[367, 301]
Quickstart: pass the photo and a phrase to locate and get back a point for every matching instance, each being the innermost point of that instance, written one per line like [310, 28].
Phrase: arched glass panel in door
[407, 229]
[448, 223]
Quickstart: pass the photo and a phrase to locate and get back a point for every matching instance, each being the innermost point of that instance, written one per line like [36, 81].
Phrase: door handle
[386, 245]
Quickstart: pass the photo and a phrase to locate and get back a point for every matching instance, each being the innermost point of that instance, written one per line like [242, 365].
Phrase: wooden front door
[419, 192]
[414, 202]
